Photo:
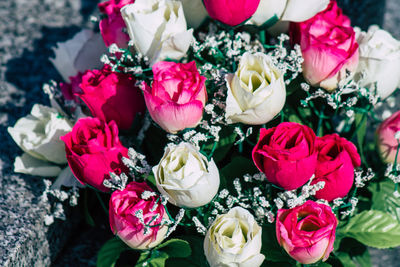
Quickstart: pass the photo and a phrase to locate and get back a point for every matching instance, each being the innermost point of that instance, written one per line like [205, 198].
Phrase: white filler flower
[234, 239]
[379, 60]
[38, 134]
[256, 92]
[158, 29]
[186, 176]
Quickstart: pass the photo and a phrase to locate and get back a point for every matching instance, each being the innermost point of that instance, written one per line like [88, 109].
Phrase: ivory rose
[388, 138]
[38, 135]
[123, 222]
[329, 47]
[337, 158]
[307, 232]
[286, 154]
[379, 60]
[111, 96]
[93, 151]
[177, 95]
[158, 29]
[186, 176]
[231, 12]
[287, 10]
[256, 92]
[234, 239]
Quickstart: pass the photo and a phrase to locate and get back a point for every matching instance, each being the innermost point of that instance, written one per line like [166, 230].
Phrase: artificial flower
[388, 138]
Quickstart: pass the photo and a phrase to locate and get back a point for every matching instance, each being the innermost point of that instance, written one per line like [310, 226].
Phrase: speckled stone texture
[28, 29]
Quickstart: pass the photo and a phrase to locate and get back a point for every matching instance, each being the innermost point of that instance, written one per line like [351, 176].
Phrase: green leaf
[226, 141]
[196, 258]
[238, 167]
[373, 228]
[110, 252]
[153, 258]
[345, 259]
[176, 248]
[384, 200]
[361, 129]
[271, 248]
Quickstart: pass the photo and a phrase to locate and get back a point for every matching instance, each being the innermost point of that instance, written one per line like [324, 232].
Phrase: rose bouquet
[219, 140]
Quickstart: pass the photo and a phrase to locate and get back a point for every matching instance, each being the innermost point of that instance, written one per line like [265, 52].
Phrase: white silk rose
[379, 60]
[38, 135]
[234, 239]
[79, 54]
[287, 10]
[195, 12]
[186, 176]
[158, 29]
[256, 92]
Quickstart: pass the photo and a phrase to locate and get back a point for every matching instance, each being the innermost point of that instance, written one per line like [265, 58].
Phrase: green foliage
[196, 258]
[110, 252]
[373, 228]
[226, 141]
[271, 249]
[383, 198]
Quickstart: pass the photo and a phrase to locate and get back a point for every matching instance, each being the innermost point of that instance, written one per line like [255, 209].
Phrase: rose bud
[234, 239]
[337, 159]
[112, 27]
[186, 176]
[329, 47]
[177, 95]
[379, 60]
[307, 232]
[94, 150]
[232, 12]
[286, 154]
[287, 10]
[158, 29]
[388, 138]
[112, 96]
[126, 210]
[256, 92]
[38, 135]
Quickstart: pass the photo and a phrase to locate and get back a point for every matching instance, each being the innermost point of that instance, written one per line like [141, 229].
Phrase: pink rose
[111, 28]
[387, 140]
[177, 95]
[231, 12]
[70, 90]
[286, 154]
[122, 209]
[93, 151]
[112, 31]
[329, 47]
[337, 159]
[112, 96]
[307, 232]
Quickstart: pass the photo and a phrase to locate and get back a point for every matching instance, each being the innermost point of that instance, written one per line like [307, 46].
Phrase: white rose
[79, 54]
[38, 134]
[287, 10]
[379, 60]
[186, 176]
[195, 12]
[256, 92]
[234, 239]
[158, 29]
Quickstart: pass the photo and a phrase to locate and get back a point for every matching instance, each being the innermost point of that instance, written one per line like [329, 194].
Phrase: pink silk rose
[123, 222]
[388, 139]
[307, 232]
[337, 159]
[329, 47]
[231, 12]
[112, 27]
[93, 151]
[177, 95]
[112, 96]
[71, 89]
[286, 154]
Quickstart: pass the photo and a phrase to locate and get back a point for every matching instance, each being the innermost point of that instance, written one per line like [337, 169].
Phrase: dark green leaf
[373, 228]
[226, 141]
[176, 248]
[238, 167]
[271, 248]
[110, 251]
[197, 257]
[345, 259]
[153, 258]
